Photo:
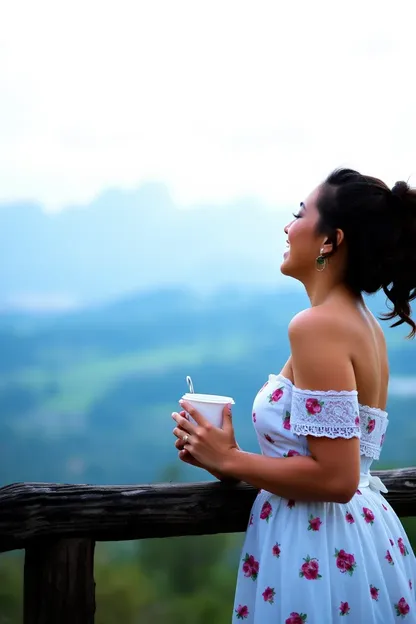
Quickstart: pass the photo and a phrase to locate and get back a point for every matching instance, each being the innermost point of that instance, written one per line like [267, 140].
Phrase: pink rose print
[314, 523]
[269, 594]
[374, 592]
[250, 567]
[276, 550]
[275, 396]
[266, 511]
[391, 542]
[402, 608]
[254, 417]
[251, 520]
[371, 424]
[389, 558]
[242, 612]
[382, 440]
[310, 569]
[286, 421]
[268, 438]
[410, 584]
[358, 492]
[349, 518]
[344, 608]
[384, 507]
[296, 618]
[368, 515]
[402, 547]
[313, 406]
[291, 503]
[291, 453]
[345, 562]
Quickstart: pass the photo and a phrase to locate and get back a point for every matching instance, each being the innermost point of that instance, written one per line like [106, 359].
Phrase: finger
[227, 419]
[179, 444]
[183, 423]
[186, 454]
[184, 415]
[180, 434]
[186, 457]
[198, 418]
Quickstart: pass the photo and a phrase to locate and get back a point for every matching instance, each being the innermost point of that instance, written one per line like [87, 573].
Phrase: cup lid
[208, 398]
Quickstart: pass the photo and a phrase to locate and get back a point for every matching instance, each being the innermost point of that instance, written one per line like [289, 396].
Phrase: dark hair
[379, 228]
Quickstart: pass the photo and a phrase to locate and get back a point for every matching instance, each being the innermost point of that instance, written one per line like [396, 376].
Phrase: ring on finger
[185, 439]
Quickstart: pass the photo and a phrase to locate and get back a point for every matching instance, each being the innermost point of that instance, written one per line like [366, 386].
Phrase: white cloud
[218, 99]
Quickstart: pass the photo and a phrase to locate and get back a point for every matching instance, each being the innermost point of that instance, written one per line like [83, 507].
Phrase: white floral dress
[312, 563]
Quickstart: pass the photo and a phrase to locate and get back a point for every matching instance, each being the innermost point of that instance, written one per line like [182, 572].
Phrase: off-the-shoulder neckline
[366, 408]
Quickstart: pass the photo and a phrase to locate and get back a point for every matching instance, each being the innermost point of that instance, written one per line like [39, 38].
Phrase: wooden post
[59, 583]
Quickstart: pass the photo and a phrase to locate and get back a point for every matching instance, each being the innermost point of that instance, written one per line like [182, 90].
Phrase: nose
[286, 229]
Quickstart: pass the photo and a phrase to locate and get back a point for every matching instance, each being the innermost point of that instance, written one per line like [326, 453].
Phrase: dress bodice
[283, 416]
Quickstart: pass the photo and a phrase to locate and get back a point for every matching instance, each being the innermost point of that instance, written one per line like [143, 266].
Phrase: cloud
[218, 100]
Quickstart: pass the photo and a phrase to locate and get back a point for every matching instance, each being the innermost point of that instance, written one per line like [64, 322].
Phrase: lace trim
[367, 408]
[327, 393]
[336, 414]
[373, 427]
[373, 410]
[324, 431]
[329, 413]
[316, 392]
[369, 450]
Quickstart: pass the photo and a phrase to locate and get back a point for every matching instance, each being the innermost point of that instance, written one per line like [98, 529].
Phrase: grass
[82, 382]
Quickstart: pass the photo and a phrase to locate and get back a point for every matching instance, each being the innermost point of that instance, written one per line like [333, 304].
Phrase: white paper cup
[209, 405]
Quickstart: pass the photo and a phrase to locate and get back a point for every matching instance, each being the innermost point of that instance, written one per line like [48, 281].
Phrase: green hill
[88, 396]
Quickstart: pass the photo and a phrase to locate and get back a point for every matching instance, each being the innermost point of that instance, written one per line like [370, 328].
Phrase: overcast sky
[218, 99]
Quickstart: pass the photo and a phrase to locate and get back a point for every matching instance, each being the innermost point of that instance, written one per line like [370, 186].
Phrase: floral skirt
[312, 563]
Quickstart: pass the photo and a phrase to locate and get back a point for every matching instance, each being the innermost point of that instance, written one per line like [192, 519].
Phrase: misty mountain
[86, 396]
[125, 241]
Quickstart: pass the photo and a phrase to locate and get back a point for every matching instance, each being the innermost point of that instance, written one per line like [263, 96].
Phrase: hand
[184, 455]
[208, 446]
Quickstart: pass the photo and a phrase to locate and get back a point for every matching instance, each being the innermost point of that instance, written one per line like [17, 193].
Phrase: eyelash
[297, 215]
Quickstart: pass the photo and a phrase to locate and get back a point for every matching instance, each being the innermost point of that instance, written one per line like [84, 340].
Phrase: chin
[285, 267]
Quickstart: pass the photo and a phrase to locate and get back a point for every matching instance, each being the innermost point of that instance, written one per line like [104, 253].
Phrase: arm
[321, 361]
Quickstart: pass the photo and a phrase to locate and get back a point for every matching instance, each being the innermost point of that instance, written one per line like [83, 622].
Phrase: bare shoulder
[320, 343]
[321, 321]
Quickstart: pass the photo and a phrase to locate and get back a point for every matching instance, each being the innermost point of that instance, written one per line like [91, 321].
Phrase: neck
[323, 285]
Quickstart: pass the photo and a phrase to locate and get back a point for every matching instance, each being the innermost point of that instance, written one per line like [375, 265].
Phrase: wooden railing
[58, 526]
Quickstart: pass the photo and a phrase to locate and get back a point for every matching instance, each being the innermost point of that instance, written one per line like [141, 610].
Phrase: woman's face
[303, 241]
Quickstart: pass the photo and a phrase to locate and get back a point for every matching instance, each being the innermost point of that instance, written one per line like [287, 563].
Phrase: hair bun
[400, 189]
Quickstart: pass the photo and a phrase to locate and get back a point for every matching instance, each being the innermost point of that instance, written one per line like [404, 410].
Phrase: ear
[328, 246]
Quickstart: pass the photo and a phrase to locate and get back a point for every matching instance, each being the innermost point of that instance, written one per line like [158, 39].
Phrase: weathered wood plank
[33, 511]
[59, 582]
[110, 513]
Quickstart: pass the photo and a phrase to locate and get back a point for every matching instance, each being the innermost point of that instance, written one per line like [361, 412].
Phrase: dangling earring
[321, 261]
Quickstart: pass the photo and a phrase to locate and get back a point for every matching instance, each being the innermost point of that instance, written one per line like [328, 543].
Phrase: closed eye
[297, 215]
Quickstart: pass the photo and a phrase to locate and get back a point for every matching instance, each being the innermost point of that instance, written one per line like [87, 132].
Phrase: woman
[322, 542]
